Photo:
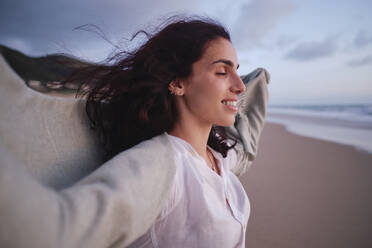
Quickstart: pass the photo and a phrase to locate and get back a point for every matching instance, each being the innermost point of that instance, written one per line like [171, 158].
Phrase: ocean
[349, 124]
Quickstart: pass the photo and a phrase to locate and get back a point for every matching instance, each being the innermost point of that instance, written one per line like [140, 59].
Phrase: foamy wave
[350, 124]
[360, 113]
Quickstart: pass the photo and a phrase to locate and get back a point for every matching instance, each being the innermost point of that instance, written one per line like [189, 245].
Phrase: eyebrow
[225, 61]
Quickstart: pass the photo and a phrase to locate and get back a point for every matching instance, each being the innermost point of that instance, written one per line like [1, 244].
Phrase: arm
[111, 207]
[249, 119]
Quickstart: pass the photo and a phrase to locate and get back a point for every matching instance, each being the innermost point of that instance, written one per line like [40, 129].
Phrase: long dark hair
[128, 100]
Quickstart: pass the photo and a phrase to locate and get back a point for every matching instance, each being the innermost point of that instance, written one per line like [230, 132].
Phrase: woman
[160, 112]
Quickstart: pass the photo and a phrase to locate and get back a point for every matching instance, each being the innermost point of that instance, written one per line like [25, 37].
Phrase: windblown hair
[128, 101]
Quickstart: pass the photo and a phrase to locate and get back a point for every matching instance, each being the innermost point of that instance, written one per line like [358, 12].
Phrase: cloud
[49, 26]
[257, 19]
[362, 39]
[46, 24]
[285, 40]
[312, 50]
[366, 60]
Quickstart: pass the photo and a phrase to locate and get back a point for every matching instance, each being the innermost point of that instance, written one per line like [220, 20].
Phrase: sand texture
[308, 193]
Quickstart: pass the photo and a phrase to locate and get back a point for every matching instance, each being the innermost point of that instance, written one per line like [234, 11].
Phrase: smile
[230, 103]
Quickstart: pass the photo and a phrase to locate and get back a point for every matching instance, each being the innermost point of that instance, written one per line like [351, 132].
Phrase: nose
[238, 86]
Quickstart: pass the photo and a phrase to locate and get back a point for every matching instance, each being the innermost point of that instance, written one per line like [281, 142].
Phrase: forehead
[219, 49]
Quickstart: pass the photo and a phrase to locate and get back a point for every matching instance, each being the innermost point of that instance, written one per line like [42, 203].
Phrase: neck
[196, 134]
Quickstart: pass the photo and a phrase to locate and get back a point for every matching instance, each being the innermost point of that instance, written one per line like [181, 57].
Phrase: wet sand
[306, 192]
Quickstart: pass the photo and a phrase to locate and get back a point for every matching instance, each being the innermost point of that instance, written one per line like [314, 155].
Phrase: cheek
[208, 85]
[199, 87]
[199, 94]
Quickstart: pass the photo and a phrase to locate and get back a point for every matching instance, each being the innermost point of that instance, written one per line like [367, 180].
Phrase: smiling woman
[176, 121]
[189, 53]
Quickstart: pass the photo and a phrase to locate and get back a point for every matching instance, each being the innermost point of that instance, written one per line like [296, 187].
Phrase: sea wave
[344, 124]
[360, 112]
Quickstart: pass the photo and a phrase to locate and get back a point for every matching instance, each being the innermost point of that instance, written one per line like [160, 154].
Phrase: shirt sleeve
[111, 207]
[249, 120]
[173, 198]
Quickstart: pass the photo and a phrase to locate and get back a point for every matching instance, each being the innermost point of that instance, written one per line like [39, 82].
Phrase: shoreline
[307, 192]
[348, 132]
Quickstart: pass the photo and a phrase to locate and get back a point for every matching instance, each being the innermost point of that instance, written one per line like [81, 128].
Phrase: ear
[177, 87]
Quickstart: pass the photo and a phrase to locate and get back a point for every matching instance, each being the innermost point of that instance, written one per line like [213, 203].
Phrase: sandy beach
[306, 192]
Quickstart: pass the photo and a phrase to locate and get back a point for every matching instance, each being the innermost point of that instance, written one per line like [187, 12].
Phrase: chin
[226, 122]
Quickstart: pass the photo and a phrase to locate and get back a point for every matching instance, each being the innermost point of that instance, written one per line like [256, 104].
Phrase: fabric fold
[249, 120]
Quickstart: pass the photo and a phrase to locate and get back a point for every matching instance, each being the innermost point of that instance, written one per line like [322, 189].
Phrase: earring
[172, 87]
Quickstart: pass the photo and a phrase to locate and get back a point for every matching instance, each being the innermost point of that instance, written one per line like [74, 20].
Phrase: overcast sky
[316, 51]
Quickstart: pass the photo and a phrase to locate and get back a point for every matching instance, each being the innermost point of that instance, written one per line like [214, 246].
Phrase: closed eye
[221, 73]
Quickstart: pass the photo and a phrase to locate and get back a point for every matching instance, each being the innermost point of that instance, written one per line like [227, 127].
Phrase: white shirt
[204, 209]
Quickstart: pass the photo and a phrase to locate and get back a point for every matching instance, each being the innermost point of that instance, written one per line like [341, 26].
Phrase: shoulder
[149, 149]
[159, 142]
[150, 157]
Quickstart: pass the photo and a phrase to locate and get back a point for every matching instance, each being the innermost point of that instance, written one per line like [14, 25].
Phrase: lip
[232, 108]
[230, 99]
[229, 107]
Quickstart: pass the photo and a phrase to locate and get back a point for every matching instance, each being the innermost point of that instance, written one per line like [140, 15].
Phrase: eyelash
[221, 73]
